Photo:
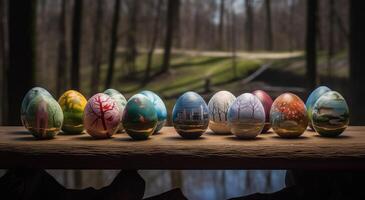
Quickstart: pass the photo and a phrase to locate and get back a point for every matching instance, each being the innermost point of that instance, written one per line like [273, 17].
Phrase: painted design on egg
[101, 116]
[43, 117]
[330, 114]
[218, 109]
[288, 116]
[246, 116]
[190, 115]
[159, 106]
[266, 103]
[312, 98]
[121, 103]
[72, 104]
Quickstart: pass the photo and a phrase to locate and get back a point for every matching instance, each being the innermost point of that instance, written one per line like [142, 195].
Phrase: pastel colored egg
[218, 108]
[72, 104]
[139, 117]
[266, 101]
[159, 106]
[31, 94]
[43, 117]
[101, 116]
[190, 115]
[288, 116]
[311, 100]
[121, 102]
[330, 114]
[246, 116]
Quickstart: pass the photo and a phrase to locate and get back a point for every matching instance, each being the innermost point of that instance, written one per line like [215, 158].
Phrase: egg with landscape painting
[190, 115]
[72, 104]
[139, 117]
[101, 116]
[159, 106]
[121, 102]
[246, 116]
[330, 116]
[288, 116]
[218, 108]
[43, 117]
[30, 95]
[266, 103]
[311, 100]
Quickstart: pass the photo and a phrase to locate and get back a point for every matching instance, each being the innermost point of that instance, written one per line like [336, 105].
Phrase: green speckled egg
[121, 102]
[43, 117]
[139, 117]
[72, 104]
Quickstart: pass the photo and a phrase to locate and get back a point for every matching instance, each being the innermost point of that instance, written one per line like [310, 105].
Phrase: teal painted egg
[312, 98]
[31, 94]
[159, 107]
[139, 117]
[190, 115]
[121, 102]
[218, 108]
[330, 116]
[101, 116]
[43, 117]
[246, 116]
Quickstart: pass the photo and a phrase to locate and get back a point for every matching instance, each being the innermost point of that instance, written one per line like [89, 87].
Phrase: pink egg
[101, 116]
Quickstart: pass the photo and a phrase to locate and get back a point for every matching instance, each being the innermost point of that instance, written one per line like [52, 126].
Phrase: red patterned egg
[101, 116]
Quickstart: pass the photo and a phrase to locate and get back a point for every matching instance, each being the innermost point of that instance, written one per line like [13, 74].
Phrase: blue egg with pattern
[159, 106]
[312, 99]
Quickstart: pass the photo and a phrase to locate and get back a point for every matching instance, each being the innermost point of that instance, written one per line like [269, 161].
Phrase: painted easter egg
[159, 106]
[218, 108]
[312, 98]
[266, 101]
[43, 117]
[190, 115]
[121, 102]
[330, 114]
[246, 116]
[139, 117]
[28, 97]
[101, 116]
[72, 104]
[288, 116]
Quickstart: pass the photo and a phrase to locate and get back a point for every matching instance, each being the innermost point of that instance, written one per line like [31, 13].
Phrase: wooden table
[167, 150]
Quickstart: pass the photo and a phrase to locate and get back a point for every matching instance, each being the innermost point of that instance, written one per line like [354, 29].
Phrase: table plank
[167, 150]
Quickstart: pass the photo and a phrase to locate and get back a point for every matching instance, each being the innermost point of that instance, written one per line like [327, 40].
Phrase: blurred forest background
[172, 46]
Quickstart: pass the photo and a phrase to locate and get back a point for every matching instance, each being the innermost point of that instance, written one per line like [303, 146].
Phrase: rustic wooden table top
[167, 150]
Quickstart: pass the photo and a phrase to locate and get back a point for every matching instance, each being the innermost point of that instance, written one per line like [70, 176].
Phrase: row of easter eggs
[101, 116]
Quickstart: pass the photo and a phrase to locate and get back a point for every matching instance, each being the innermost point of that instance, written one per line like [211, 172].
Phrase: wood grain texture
[168, 150]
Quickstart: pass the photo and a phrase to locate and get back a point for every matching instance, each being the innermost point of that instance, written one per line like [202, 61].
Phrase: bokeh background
[172, 46]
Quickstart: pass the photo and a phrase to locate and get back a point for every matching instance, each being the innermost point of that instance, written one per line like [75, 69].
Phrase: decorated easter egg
[246, 116]
[28, 97]
[330, 114]
[159, 107]
[266, 103]
[190, 115]
[101, 116]
[72, 104]
[43, 117]
[139, 117]
[312, 98]
[288, 116]
[218, 108]
[121, 102]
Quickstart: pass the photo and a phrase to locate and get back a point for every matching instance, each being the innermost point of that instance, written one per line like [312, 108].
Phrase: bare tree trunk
[269, 41]
[331, 22]
[21, 70]
[97, 48]
[311, 52]
[76, 42]
[131, 51]
[176, 179]
[196, 26]
[61, 64]
[173, 6]
[221, 25]
[291, 24]
[113, 45]
[154, 40]
[249, 25]
[234, 41]
[3, 62]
